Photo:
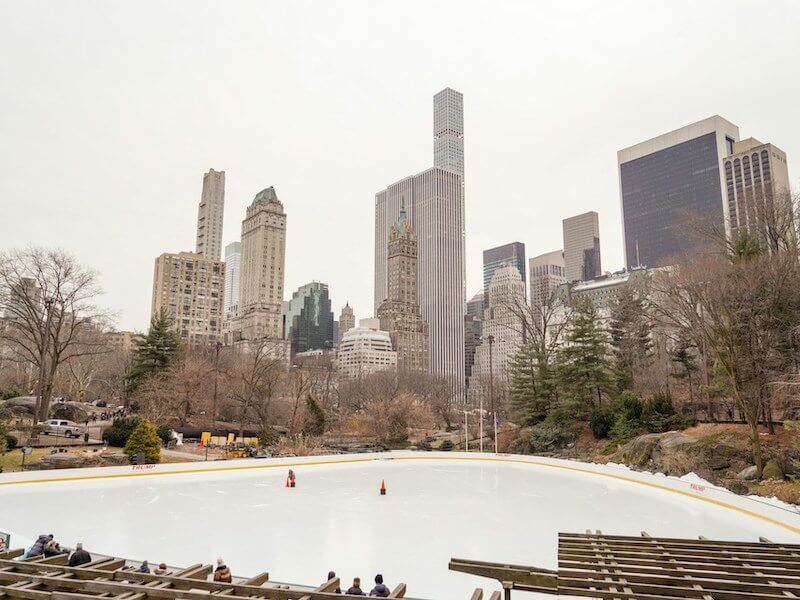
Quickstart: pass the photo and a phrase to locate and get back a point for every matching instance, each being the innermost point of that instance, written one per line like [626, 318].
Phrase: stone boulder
[65, 460]
[748, 473]
[772, 470]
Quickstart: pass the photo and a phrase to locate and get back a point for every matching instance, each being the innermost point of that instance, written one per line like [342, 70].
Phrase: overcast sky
[110, 113]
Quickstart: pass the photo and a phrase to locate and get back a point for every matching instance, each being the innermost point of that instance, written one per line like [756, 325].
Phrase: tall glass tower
[448, 131]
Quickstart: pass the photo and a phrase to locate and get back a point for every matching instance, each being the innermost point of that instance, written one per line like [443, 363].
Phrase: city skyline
[178, 125]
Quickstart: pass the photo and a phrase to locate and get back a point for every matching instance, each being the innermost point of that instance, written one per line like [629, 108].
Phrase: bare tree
[255, 380]
[48, 300]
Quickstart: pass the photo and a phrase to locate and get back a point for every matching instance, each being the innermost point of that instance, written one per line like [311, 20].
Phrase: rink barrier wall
[775, 515]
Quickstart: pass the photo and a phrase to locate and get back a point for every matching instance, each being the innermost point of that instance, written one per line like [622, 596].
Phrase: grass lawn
[12, 460]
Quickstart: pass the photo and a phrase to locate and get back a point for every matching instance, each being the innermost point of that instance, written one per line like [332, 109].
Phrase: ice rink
[335, 519]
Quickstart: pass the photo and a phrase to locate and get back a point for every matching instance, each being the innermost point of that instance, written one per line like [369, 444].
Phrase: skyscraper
[309, 320]
[263, 260]
[475, 305]
[347, 320]
[546, 274]
[582, 247]
[448, 131]
[233, 262]
[433, 205]
[668, 182]
[399, 313]
[509, 254]
[190, 287]
[756, 184]
[434, 201]
[209, 215]
[501, 321]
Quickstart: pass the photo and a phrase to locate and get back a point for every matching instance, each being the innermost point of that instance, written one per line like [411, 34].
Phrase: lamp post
[491, 391]
[216, 381]
[45, 344]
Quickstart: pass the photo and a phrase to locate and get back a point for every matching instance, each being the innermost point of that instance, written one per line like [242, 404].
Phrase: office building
[262, 269]
[475, 305]
[364, 351]
[309, 320]
[473, 331]
[233, 265]
[432, 201]
[582, 247]
[509, 254]
[502, 322]
[190, 287]
[209, 215]
[347, 320]
[547, 273]
[448, 131]
[399, 314]
[671, 185]
[757, 191]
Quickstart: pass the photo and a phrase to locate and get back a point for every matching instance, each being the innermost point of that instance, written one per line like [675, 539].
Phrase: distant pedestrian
[145, 568]
[355, 589]
[38, 546]
[161, 569]
[79, 557]
[222, 572]
[332, 575]
[53, 548]
[380, 590]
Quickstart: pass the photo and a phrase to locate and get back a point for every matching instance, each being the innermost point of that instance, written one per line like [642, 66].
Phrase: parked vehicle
[61, 427]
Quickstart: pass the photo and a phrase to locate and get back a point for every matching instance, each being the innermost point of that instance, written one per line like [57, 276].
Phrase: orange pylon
[383, 487]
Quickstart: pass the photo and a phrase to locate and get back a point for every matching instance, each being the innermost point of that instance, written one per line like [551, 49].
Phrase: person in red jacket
[222, 573]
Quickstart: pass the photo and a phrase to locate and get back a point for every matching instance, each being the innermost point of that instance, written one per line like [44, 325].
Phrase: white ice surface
[335, 518]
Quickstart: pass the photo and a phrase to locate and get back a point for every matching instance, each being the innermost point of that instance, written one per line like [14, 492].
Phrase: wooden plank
[477, 594]
[329, 586]
[259, 579]
[655, 588]
[756, 546]
[706, 584]
[495, 595]
[194, 572]
[106, 564]
[527, 578]
[764, 540]
[399, 591]
[651, 544]
[717, 558]
[91, 587]
[670, 570]
[58, 559]
[12, 553]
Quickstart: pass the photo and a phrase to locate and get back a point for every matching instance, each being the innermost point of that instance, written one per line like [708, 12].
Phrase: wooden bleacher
[637, 568]
[109, 578]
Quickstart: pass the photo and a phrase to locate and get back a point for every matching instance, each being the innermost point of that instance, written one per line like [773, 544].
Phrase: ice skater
[292, 478]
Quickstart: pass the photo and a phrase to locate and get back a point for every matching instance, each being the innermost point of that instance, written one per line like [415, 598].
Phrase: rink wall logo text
[143, 467]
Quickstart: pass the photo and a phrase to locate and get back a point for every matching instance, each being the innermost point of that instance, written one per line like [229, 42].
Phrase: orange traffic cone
[383, 487]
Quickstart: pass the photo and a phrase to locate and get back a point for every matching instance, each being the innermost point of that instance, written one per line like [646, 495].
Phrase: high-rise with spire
[209, 215]
[347, 320]
[399, 314]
